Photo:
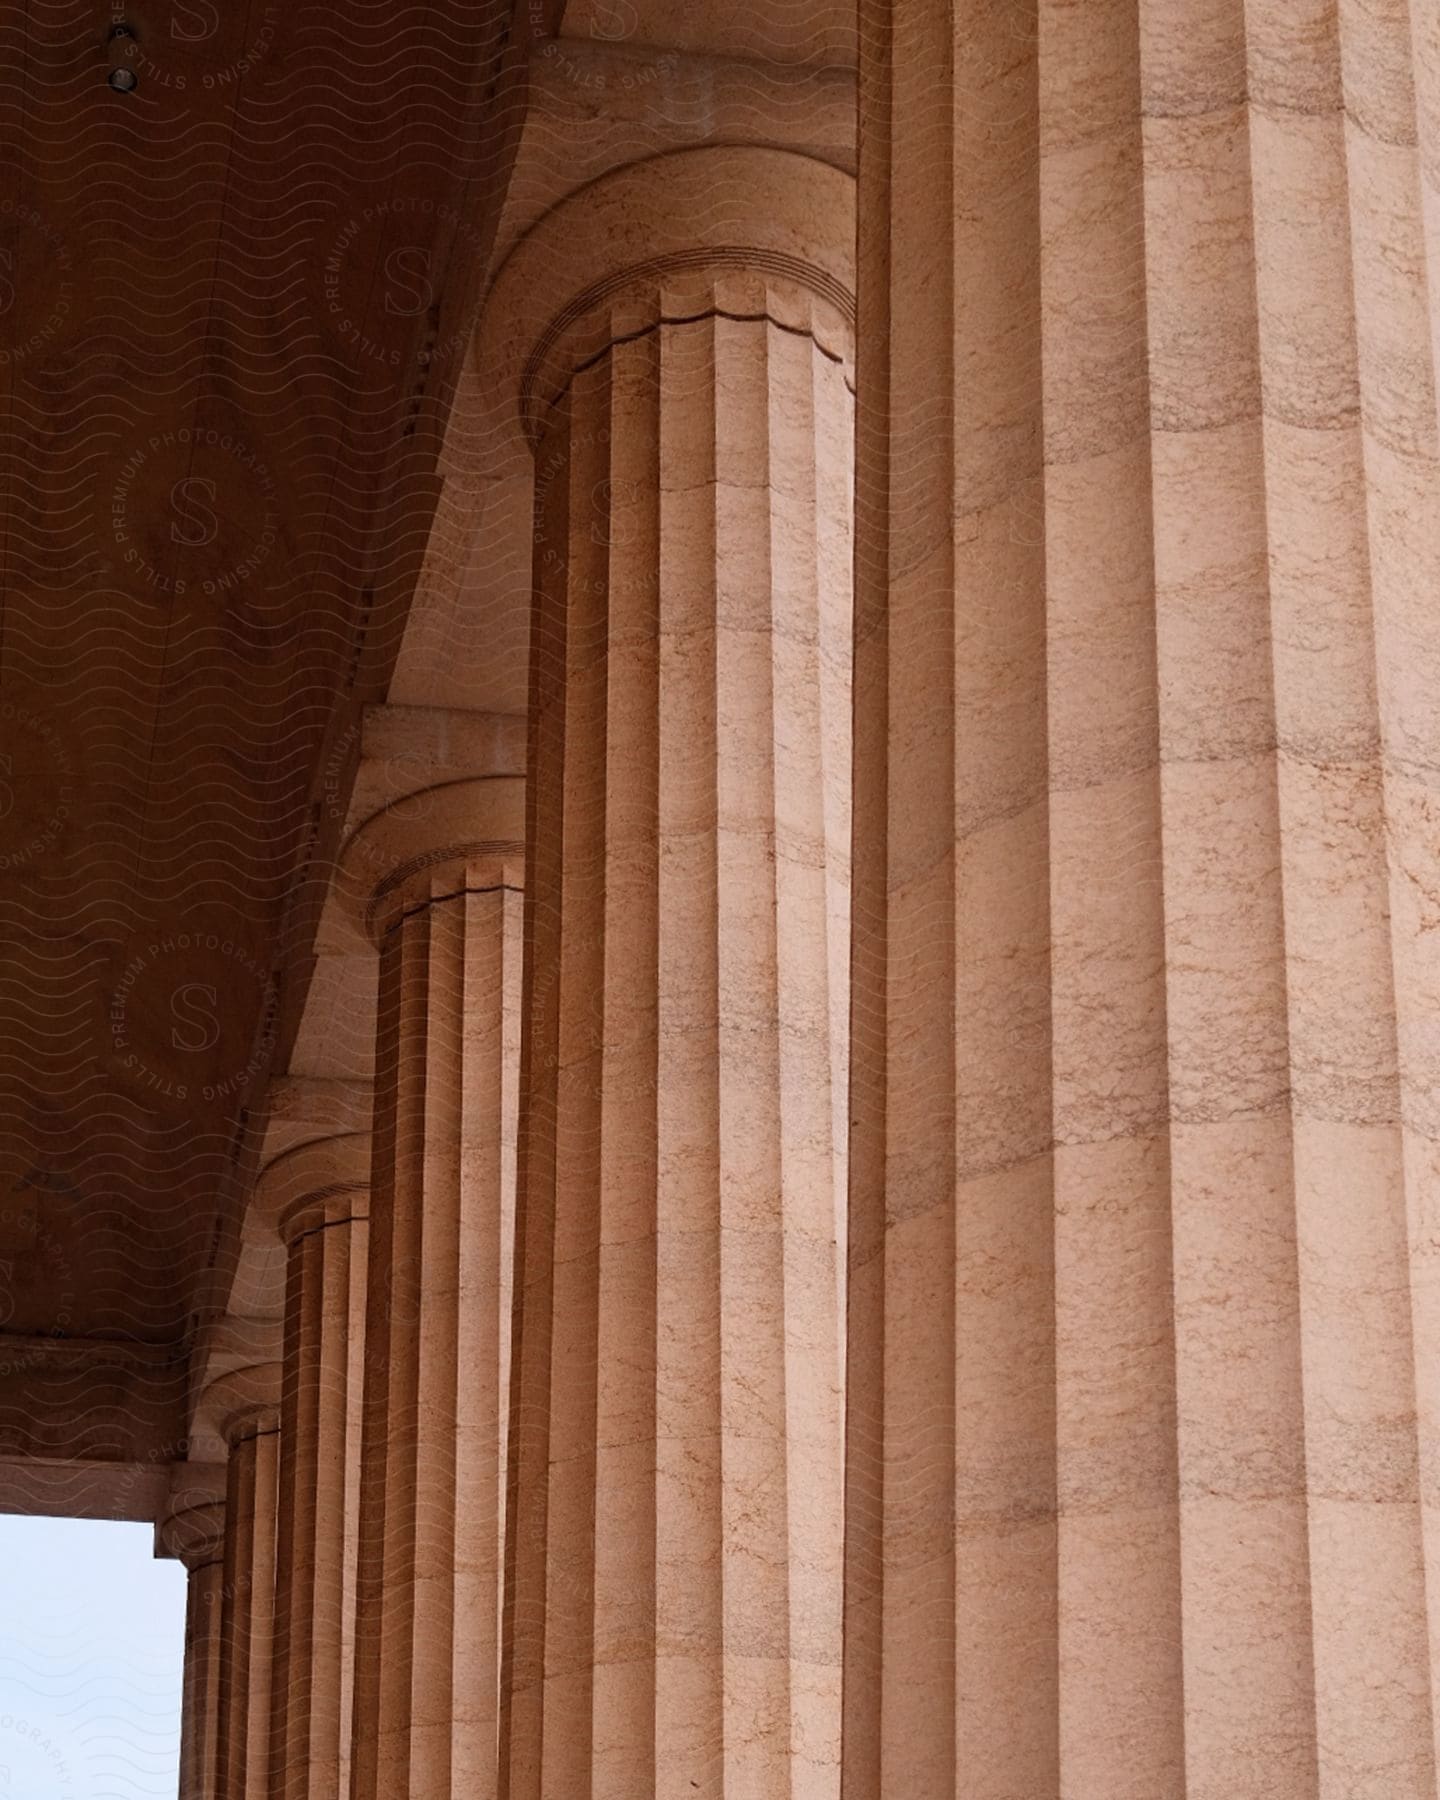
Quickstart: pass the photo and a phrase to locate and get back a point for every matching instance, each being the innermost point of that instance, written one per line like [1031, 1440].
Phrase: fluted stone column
[318, 1199]
[195, 1533]
[675, 1572]
[439, 878]
[247, 1611]
[1143, 1313]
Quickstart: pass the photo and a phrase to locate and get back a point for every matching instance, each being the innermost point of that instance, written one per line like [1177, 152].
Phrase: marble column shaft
[196, 1534]
[324, 1226]
[1143, 1408]
[676, 1484]
[448, 920]
[247, 1611]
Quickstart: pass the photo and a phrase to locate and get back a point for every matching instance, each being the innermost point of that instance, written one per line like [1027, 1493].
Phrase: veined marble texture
[721, 1036]
[1144, 1325]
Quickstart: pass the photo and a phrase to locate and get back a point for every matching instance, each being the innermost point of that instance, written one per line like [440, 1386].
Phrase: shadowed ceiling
[233, 299]
[242, 251]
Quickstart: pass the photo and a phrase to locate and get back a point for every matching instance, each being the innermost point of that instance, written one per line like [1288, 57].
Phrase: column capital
[244, 1403]
[191, 1525]
[252, 1420]
[433, 845]
[723, 229]
[193, 1534]
[326, 1182]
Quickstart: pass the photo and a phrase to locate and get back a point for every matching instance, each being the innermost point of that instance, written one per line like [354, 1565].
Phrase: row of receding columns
[347, 1640]
[1135, 1069]
[665, 1616]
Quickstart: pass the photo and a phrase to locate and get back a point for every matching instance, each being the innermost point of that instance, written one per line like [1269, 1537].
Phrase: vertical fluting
[490, 1085]
[1119, 1566]
[1244, 1613]
[1192, 238]
[324, 1228]
[1362, 757]
[1364, 1535]
[247, 1617]
[676, 1477]
[358, 1265]
[196, 1534]
[200, 1699]
[449, 925]
[951, 1606]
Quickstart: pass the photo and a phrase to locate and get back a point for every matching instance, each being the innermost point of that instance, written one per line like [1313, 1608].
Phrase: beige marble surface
[247, 1604]
[320, 1195]
[1148, 513]
[1138, 1085]
[438, 879]
[675, 1520]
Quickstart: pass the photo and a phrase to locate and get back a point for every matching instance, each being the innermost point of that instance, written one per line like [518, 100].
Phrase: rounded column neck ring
[254, 1420]
[241, 1404]
[661, 241]
[323, 1182]
[194, 1533]
[432, 846]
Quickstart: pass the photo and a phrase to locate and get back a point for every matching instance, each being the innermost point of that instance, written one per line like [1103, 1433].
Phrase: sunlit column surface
[677, 343]
[318, 1198]
[1143, 1318]
[247, 1608]
[194, 1531]
[438, 880]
